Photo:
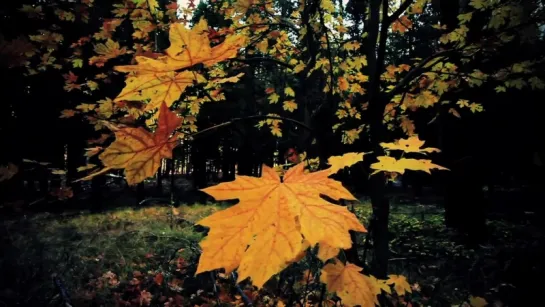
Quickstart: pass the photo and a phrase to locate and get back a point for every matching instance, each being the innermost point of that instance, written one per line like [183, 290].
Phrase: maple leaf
[190, 47]
[268, 228]
[402, 24]
[290, 105]
[326, 251]
[391, 164]
[477, 301]
[407, 125]
[343, 84]
[348, 159]
[158, 87]
[158, 79]
[232, 79]
[349, 284]
[400, 284]
[289, 91]
[67, 113]
[106, 51]
[411, 144]
[138, 151]
[273, 98]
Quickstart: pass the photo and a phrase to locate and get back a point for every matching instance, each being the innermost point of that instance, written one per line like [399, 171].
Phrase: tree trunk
[380, 234]
[465, 201]
[159, 178]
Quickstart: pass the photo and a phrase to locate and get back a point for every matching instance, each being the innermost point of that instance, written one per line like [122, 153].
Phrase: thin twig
[234, 120]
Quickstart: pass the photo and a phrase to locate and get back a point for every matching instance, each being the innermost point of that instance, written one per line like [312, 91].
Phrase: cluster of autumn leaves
[276, 221]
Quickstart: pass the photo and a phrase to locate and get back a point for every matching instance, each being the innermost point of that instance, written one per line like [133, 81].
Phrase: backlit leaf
[158, 87]
[138, 151]
[348, 159]
[349, 284]
[411, 144]
[400, 284]
[265, 231]
[326, 251]
[476, 301]
[391, 164]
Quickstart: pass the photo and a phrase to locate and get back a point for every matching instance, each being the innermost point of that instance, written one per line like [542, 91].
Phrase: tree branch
[395, 15]
[234, 120]
[416, 71]
[264, 59]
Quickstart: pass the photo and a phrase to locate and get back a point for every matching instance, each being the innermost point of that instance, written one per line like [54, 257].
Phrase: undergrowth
[148, 256]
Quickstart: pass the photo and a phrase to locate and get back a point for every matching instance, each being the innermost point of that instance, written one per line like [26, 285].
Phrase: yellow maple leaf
[153, 5]
[463, 103]
[192, 46]
[425, 99]
[475, 107]
[105, 107]
[349, 284]
[158, 87]
[232, 79]
[380, 284]
[290, 105]
[400, 284]
[263, 46]
[86, 107]
[326, 251]
[348, 159]
[242, 6]
[187, 48]
[352, 45]
[477, 301]
[273, 98]
[139, 151]
[387, 164]
[391, 164]
[407, 125]
[106, 51]
[411, 144]
[289, 92]
[266, 230]
[276, 131]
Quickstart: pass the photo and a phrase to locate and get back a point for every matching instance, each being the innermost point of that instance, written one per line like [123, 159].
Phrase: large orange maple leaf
[274, 222]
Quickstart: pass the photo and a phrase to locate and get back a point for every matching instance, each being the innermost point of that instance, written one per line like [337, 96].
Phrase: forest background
[318, 77]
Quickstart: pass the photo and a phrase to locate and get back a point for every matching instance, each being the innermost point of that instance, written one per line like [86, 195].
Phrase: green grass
[98, 256]
[82, 247]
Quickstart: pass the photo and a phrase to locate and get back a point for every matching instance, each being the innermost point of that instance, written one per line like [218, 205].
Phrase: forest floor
[135, 257]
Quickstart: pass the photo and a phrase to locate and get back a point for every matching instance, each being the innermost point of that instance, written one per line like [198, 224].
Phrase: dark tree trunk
[75, 159]
[245, 158]
[465, 201]
[198, 161]
[140, 192]
[159, 179]
[380, 233]
[97, 197]
[227, 163]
